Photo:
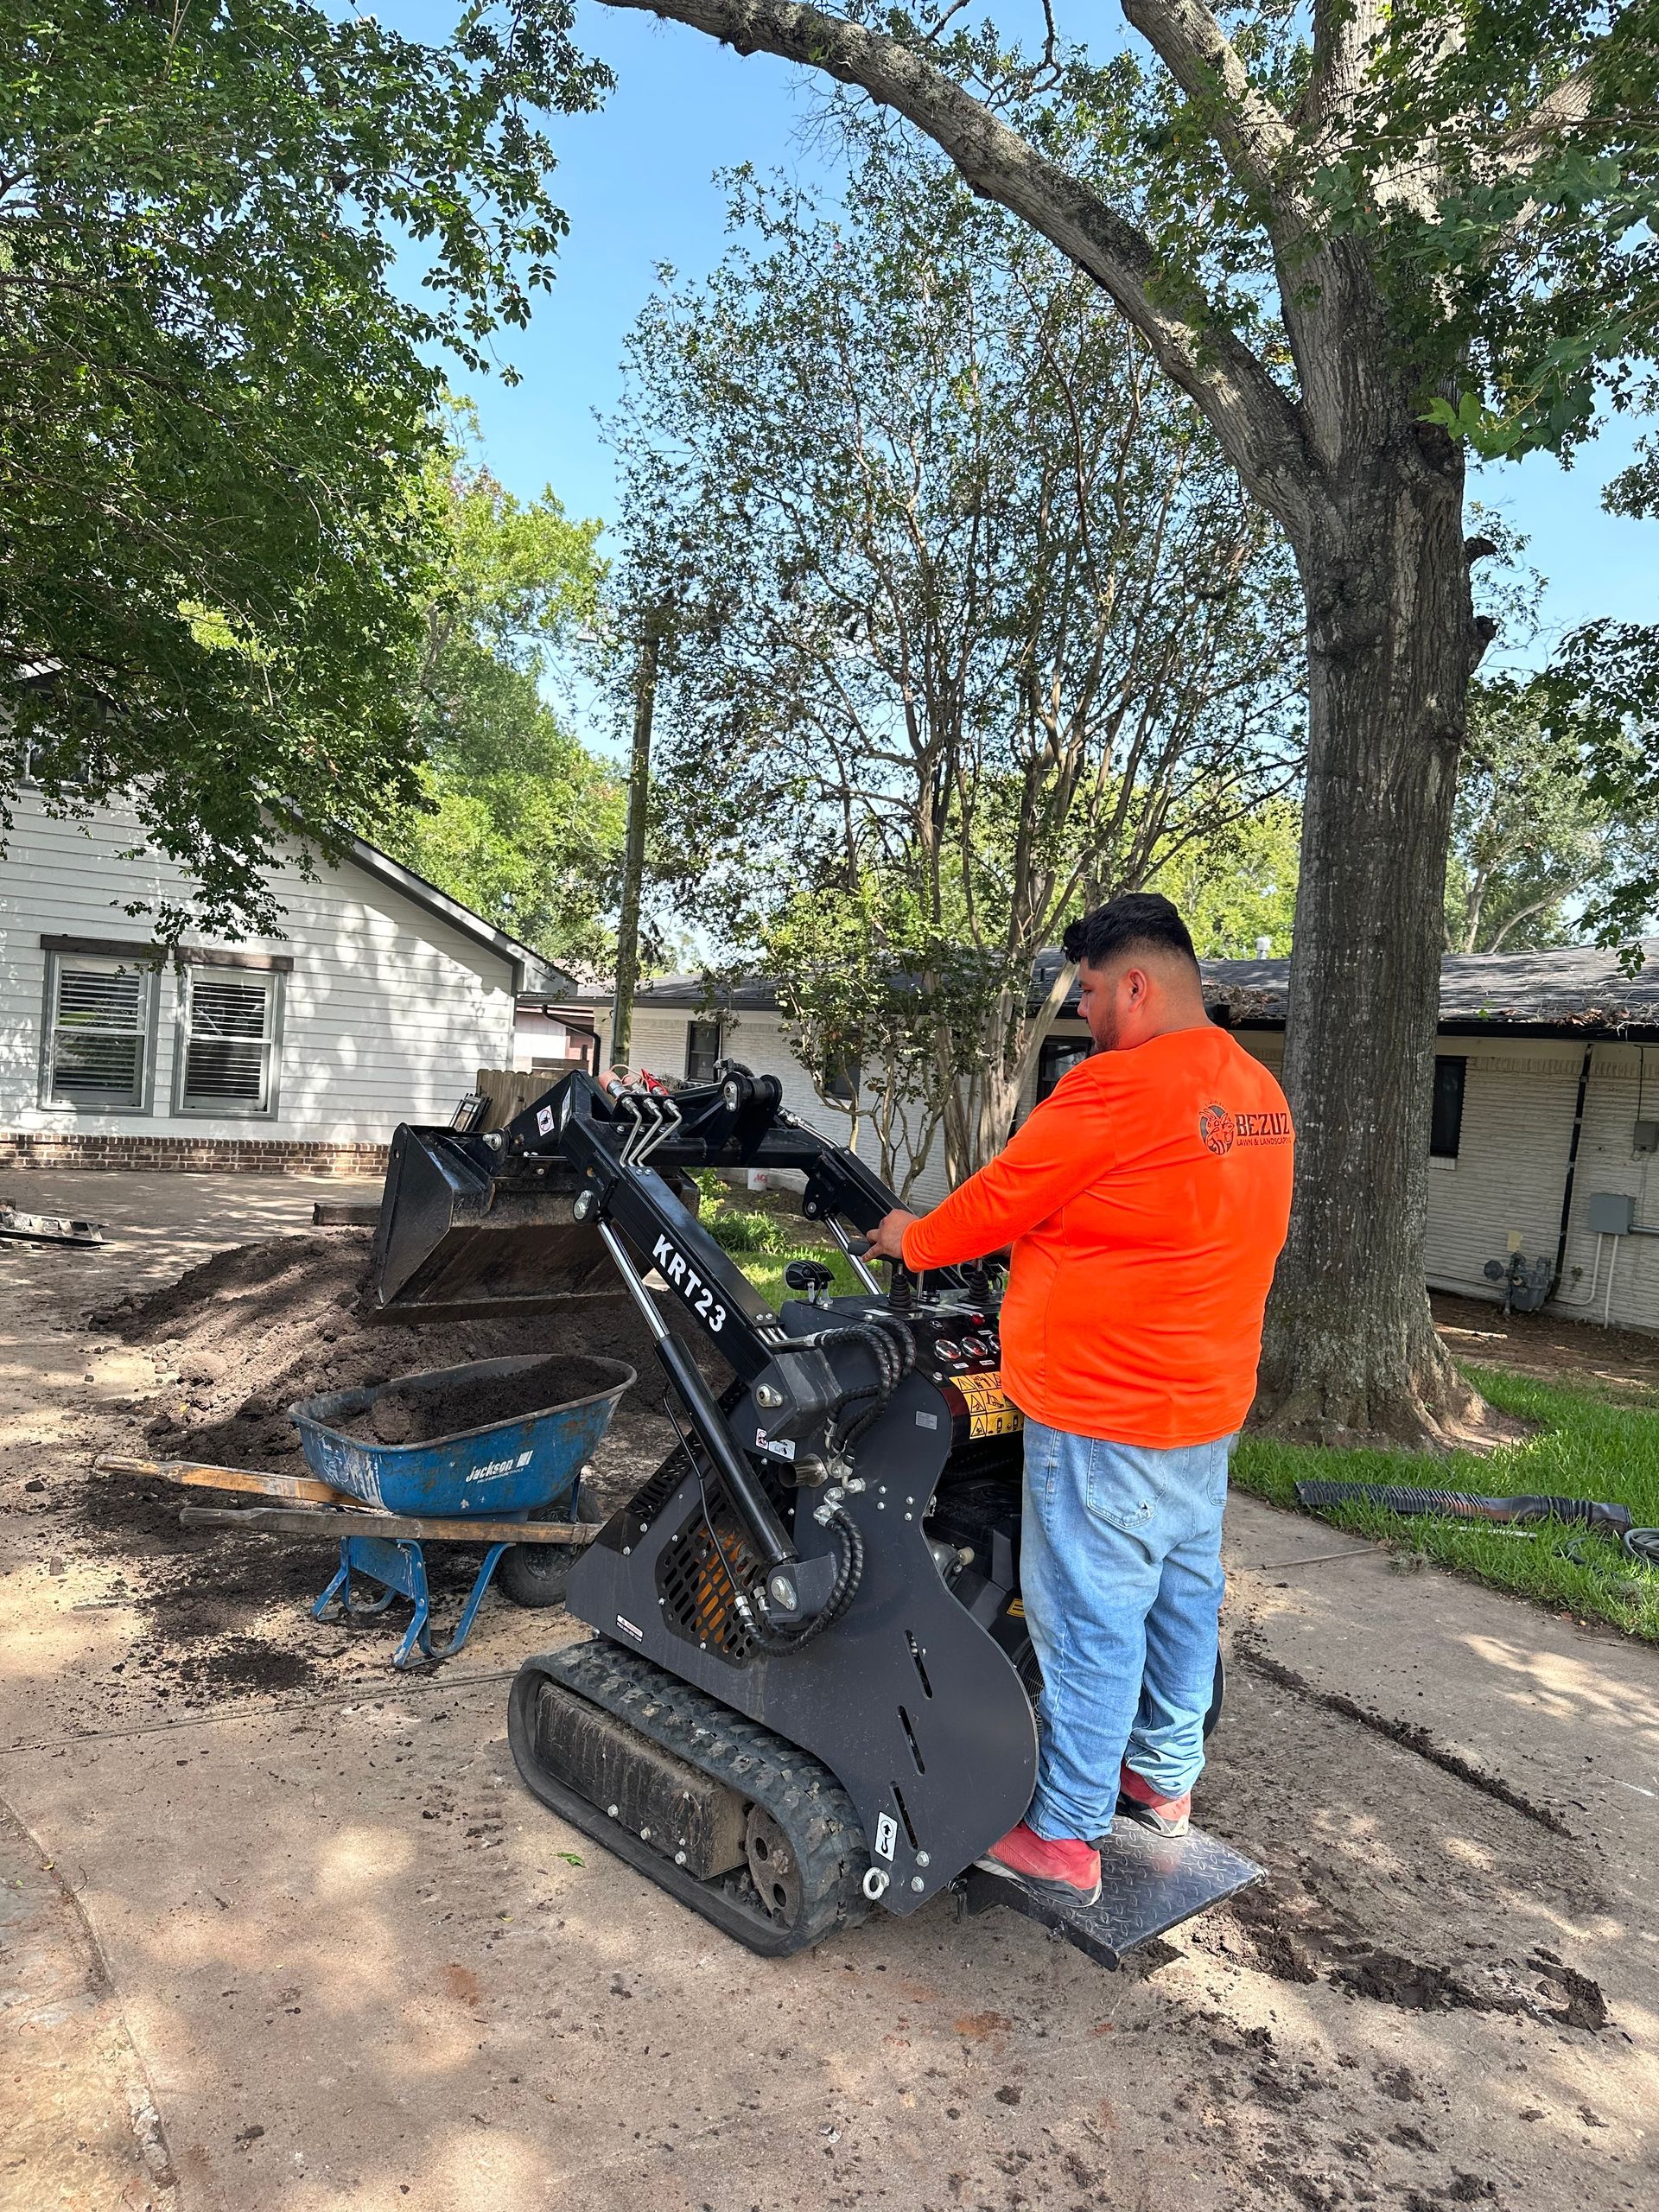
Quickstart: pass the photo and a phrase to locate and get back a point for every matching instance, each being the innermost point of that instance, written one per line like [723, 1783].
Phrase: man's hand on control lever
[887, 1237]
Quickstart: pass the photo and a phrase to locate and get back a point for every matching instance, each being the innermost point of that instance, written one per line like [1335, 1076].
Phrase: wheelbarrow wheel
[535, 1574]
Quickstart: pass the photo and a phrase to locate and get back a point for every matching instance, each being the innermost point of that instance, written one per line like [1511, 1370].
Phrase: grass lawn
[1586, 1447]
[762, 1232]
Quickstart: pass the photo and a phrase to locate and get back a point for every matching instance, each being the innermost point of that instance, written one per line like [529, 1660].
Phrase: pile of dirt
[252, 1330]
[414, 1415]
[238, 1340]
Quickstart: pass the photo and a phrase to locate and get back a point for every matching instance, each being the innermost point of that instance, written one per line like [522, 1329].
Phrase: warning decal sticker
[991, 1412]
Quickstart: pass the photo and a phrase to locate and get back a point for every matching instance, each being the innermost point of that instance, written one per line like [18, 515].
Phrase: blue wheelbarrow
[466, 1488]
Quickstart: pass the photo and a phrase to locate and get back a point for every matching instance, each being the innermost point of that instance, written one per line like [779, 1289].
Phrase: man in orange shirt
[1146, 1201]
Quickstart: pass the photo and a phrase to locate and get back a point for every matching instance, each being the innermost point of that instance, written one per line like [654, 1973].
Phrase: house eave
[529, 970]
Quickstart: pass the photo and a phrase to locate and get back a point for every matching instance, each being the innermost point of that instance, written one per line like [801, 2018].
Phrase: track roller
[743, 1828]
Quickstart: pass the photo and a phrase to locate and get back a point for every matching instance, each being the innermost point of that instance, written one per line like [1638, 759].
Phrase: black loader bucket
[457, 1237]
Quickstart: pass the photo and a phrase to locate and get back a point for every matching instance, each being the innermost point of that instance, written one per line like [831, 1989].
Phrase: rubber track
[801, 1795]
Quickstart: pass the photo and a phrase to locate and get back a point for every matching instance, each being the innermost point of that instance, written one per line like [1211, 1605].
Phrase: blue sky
[636, 182]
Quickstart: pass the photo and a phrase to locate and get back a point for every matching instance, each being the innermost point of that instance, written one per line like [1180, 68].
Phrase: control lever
[901, 1291]
[861, 1266]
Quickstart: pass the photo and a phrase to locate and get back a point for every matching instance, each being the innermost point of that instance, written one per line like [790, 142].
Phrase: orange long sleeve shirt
[1146, 1200]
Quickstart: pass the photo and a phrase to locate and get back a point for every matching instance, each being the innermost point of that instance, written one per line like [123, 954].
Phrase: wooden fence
[507, 1091]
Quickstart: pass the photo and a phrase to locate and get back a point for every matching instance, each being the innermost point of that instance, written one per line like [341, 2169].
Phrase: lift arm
[494, 1219]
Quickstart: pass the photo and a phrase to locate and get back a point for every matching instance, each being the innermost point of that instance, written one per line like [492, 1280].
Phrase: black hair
[1139, 921]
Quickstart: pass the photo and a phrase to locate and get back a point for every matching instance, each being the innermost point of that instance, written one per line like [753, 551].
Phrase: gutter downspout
[1571, 1168]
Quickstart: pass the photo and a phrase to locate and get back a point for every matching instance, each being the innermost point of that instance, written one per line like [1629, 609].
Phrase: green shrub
[738, 1229]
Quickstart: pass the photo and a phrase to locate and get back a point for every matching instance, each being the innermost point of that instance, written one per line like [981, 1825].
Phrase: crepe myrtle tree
[1596, 703]
[972, 626]
[1538, 844]
[1370, 235]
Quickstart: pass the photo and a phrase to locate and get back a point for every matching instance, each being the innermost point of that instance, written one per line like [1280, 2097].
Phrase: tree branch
[1255, 141]
[1572, 101]
[1259, 424]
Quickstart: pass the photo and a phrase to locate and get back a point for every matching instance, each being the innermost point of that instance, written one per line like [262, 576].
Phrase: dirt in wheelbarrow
[238, 1340]
[418, 1416]
[253, 1329]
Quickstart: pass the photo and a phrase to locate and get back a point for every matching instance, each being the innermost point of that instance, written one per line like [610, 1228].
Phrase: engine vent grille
[655, 1491]
[695, 1582]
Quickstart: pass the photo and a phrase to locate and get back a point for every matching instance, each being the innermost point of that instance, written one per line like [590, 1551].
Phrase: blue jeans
[1120, 1574]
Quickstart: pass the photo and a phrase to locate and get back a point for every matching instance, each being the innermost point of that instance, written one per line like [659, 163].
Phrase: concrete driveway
[322, 1950]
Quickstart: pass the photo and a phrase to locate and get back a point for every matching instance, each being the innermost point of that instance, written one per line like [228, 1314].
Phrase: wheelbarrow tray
[507, 1467]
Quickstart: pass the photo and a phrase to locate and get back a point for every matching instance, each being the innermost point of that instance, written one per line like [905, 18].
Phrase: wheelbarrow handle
[322, 1521]
[199, 1474]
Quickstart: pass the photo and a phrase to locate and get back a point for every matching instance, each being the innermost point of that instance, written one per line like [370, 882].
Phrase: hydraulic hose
[893, 1347]
[772, 1636]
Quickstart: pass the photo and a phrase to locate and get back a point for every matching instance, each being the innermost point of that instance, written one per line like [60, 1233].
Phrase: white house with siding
[1542, 1132]
[378, 1003]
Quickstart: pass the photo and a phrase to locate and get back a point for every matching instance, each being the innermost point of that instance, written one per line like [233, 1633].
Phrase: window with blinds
[100, 1028]
[228, 1041]
[701, 1051]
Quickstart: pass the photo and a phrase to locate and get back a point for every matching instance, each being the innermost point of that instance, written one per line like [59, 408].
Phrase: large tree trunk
[1392, 641]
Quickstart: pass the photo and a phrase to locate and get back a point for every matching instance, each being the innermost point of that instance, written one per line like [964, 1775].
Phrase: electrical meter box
[1609, 1213]
[1646, 1137]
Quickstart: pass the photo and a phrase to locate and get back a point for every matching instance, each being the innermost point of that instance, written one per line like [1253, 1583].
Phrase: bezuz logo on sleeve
[678, 1273]
[1221, 1130]
[1216, 1128]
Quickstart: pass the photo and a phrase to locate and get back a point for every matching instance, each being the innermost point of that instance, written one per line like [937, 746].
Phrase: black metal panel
[907, 1700]
[1148, 1884]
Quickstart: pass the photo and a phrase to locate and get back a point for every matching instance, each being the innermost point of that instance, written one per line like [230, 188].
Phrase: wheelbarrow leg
[463, 1626]
[413, 1586]
[400, 1569]
[341, 1588]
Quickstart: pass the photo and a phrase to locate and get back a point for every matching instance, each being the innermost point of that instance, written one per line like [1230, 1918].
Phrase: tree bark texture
[1392, 642]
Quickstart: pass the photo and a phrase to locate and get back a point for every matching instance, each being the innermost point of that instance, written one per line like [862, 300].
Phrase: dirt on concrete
[235, 1341]
[1248, 1648]
[1436, 1997]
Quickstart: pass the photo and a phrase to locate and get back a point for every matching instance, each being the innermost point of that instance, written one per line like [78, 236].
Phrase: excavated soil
[240, 1338]
[1552, 1346]
[260, 1327]
[420, 1416]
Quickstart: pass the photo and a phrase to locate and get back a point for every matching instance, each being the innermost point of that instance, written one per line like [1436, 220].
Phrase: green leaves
[513, 815]
[1505, 185]
[215, 412]
[1598, 701]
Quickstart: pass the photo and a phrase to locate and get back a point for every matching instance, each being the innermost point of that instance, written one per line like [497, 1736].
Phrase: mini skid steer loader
[810, 1689]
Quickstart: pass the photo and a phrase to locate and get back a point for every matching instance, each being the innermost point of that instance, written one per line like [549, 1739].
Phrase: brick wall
[187, 1155]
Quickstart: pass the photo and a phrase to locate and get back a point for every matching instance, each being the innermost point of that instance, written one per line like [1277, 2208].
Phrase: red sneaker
[1064, 1868]
[1140, 1801]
